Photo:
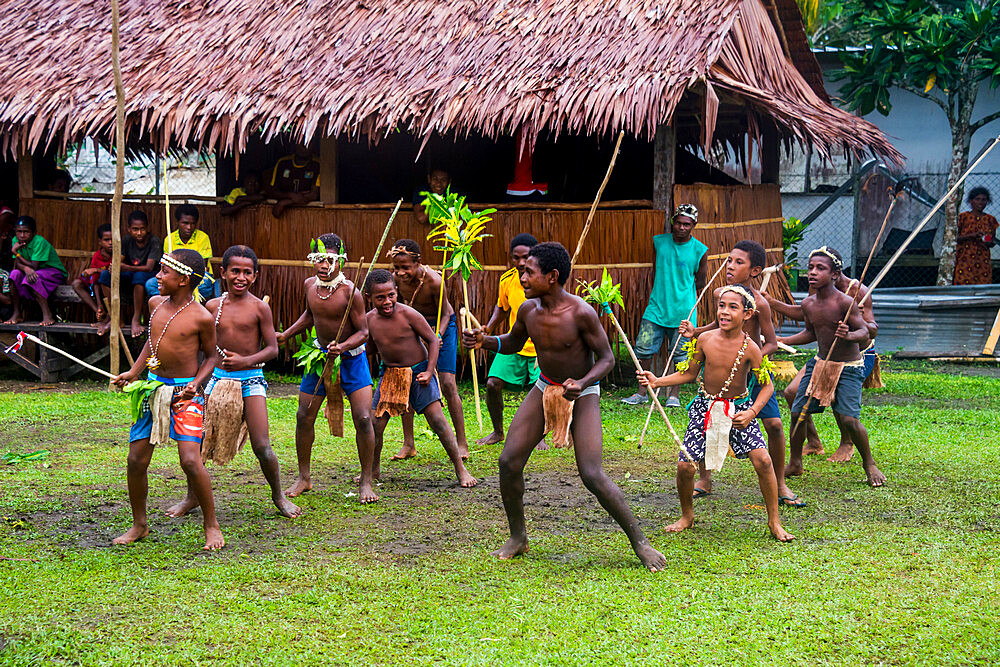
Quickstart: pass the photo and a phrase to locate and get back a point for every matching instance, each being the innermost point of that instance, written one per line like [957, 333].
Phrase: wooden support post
[328, 170]
[664, 160]
[770, 157]
[25, 177]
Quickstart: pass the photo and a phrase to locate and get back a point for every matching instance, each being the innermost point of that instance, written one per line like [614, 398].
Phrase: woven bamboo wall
[617, 237]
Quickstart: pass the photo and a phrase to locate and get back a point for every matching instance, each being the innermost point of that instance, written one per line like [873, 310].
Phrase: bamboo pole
[116, 201]
[444, 260]
[466, 317]
[121, 339]
[38, 341]
[166, 210]
[597, 200]
[673, 351]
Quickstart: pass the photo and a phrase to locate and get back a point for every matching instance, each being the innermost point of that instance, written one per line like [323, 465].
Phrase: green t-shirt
[41, 251]
[673, 293]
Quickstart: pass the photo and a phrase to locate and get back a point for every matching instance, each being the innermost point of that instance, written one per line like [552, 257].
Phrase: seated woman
[37, 271]
[976, 235]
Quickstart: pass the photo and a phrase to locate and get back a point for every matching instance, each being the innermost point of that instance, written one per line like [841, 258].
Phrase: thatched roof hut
[210, 73]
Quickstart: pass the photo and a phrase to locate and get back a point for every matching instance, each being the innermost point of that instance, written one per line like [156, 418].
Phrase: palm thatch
[210, 73]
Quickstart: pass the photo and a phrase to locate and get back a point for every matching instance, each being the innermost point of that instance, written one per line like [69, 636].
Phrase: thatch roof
[211, 72]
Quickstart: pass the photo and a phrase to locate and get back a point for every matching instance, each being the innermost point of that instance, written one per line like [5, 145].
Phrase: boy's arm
[304, 323]
[505, 344]
[791, 311]
[265, 327]
[133, 373]
[496, 318]
[855, 329]
[804, 337]
[604, 359]
[770, 345]
[360, 323]
[433, 343]
[690, 374]
[743, 418]
[701, 277]
[206, 337]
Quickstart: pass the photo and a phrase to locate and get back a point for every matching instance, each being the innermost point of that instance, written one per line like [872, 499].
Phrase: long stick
[467, 315]
[444, 260]
[673, 351]
[69, 356]
[114, 312]
[166, 207]
[597, 199]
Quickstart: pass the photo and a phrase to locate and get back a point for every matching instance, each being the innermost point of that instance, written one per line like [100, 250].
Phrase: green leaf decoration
[602, 294]
[10, 458]
[764, 372]
[691, 347]
[310, 356]
[140, 391]
[456, 230]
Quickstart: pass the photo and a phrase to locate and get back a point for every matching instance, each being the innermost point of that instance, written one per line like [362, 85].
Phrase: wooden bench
[44, 364]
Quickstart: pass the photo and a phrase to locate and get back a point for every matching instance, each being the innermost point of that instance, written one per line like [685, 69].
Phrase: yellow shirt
[510, 298]
[235, 194]
[199, 241]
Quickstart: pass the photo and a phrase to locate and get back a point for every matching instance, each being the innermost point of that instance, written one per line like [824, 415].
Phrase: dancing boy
[406, 382]
[328, 294]
[179, 328]
[745, 261]
[567, 336]
[420, 288]
[728, 355]
[244, 331]
[837, 382]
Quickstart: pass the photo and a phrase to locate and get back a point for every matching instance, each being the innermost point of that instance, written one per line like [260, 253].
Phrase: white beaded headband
[332, 257]
[742, 291]
[837, 262]
[180, 267]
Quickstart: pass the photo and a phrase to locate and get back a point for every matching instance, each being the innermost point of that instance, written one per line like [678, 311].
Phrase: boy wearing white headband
[328, 297]
[722, 415]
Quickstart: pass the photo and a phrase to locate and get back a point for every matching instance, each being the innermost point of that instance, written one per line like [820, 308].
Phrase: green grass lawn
[900, 575]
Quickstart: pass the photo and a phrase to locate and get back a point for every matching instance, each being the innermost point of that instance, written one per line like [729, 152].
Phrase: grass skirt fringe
[558, 415]
[225, 429]
[394, 392]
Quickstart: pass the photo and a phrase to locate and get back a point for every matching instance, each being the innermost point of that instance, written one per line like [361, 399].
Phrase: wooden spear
[38, 341]
[597, 199]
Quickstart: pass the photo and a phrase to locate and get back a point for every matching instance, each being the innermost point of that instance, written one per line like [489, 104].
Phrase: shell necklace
[218, 317]
[154, 360]
[732, 373]
[331, 285]
[413, 297]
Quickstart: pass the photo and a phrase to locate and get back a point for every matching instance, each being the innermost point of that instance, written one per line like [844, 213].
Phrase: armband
[498, 343]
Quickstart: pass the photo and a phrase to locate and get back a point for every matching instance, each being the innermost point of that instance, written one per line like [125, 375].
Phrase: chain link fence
[867, 203]
[93, 170]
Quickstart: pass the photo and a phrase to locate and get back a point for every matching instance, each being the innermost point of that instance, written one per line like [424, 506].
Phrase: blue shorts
[187, 417]
[770, 409]
[448, 355]
[251, 381]
[846, 399]
[421, 395]
[129, 279]
[650, 338]
[354, 374]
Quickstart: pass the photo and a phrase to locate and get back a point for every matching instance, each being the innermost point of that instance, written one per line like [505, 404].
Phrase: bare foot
[407, 453]
[704, 490]
[103, 328]
[182, 508]
[813, 448]
[493, 438]
[213, 539]
[542, 445]
[875, 476]
[780, 533]
[16, 318]
[515, 546]
[466, 479]
[287, 508]
[137, 329]
[793, 469]
[133, 534]
[843, 453]
[650, 557]
[681, 524]
[376, 477]
[367, 494]
[47, 322]
[300, 487]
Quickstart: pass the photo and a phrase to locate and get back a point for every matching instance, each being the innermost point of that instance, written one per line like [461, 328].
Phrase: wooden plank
[328, 170]
[991, 340]
[664, 161]
[959, 302]
[25, 178]
[26, 364]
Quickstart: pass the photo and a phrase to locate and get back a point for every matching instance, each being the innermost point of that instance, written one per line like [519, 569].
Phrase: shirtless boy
[728, 354]
[327, 296]
[814, 445]
[746, 261]
[567, 336]
[824, 311]
[245, 337]
[420, 288]
[179, 328]
[400, 333]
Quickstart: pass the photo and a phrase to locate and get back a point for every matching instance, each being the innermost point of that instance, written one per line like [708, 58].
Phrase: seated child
[723, 416]
[180, 328]
[236, 396]
[37, 271]
[140, 258]
[407, 380]
[86, 283]
[187, 235]
[240, 198]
